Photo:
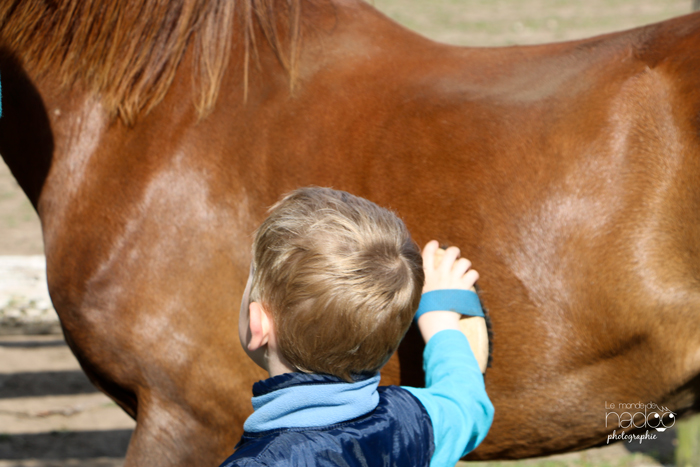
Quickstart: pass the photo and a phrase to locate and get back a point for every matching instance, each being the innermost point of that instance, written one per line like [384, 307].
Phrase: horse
[152, 135]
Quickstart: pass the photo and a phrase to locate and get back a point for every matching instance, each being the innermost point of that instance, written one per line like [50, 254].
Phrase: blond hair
[341, 278]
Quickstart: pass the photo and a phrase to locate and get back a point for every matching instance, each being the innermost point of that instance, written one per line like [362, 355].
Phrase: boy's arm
[455, 396]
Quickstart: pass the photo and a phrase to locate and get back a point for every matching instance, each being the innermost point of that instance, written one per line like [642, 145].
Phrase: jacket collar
[300, 400]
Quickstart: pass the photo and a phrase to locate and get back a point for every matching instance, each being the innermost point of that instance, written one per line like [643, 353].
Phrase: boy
[335, 281]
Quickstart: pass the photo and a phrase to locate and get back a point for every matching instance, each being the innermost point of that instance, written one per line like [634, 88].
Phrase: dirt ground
[50, 415]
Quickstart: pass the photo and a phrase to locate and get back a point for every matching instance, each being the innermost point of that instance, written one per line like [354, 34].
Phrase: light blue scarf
[298, 400]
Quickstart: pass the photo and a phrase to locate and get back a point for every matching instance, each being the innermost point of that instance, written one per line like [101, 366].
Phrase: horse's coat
[568, 173]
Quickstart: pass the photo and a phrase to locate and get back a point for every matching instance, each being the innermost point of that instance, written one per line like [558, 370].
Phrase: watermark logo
[627, 416]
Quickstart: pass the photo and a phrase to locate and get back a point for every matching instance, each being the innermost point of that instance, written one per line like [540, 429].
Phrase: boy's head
[340, 278]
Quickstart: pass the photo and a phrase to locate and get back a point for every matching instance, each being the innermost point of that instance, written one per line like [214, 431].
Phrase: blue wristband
[461, 301]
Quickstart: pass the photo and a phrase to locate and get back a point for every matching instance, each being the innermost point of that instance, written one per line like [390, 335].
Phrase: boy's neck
[278, 369]
[276, 364]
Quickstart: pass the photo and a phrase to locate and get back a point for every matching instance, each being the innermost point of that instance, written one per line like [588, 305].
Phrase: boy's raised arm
[455, 396]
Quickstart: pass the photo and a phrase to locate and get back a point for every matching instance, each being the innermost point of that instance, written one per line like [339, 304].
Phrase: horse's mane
[129, 51]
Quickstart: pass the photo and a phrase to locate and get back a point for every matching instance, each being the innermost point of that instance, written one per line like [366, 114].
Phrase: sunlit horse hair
[129, 52]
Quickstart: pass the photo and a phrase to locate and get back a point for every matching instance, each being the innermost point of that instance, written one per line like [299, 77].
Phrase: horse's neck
[46, 120]
[45, 123]
[38, 121]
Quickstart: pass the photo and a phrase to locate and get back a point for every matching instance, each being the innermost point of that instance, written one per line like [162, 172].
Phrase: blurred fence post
[688, 448]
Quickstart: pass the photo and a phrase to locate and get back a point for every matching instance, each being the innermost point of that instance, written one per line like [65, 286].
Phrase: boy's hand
[444, 269]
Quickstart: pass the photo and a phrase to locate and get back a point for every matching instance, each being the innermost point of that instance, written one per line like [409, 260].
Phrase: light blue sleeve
[454, 397]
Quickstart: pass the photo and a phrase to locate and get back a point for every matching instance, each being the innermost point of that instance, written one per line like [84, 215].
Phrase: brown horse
[151, 135]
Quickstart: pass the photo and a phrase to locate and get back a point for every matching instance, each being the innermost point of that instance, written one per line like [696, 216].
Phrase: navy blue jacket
[398, 432]
[318, 420]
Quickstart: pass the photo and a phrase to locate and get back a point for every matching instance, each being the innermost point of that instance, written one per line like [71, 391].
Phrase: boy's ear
[259, 323]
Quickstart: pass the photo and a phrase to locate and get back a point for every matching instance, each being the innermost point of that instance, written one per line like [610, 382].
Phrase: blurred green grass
[629, 460]
[509, 22]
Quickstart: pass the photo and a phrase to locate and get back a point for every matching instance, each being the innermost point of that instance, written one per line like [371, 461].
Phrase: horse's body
[568, 173]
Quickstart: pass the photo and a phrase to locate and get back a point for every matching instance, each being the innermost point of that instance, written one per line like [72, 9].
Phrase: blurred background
[50, 416]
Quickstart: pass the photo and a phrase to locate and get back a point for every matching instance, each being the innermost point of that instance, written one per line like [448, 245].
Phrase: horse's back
[566, 172]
